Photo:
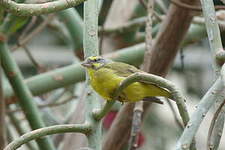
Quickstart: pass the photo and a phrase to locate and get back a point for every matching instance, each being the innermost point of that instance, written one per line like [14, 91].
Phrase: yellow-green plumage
[107, 78]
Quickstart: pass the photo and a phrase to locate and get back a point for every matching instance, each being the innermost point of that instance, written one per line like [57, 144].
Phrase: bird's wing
[122, 69]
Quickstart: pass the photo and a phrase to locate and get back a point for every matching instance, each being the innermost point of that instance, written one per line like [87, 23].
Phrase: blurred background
[47, 42]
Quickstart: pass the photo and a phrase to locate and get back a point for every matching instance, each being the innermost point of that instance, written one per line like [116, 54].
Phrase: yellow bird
[106, 76]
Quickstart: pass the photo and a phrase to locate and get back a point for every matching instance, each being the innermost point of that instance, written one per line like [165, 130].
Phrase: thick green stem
[213, 30]
[91, 49]
[215, 93]
[38, 9]
[22, 91]
[215, 46]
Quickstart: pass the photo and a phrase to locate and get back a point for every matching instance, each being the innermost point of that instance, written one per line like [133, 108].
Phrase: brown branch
[179, 3]
[136, 125]
[164, 51]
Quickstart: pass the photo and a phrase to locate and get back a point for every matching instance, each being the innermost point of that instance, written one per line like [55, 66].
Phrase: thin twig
[32, 59]
[28, 27]
[136, 125]
[148, 37]
[25, 39]
[210, 146]
[179, 124]
[138, 108]
[155, 14]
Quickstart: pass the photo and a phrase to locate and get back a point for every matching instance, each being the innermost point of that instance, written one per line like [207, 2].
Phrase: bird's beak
[86, 64]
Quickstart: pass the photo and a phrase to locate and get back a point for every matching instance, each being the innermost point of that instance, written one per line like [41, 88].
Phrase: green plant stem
[81, 128]
[91, 49]
[38, 9]
[212, 30]
[215, 46]
[161, 82]
[21, 90]
[215, 93]
[100, 113]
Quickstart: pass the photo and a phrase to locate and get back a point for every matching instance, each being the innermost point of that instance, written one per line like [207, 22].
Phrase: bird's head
[94, 62]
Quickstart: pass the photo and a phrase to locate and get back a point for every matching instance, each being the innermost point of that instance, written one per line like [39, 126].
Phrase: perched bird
[106, 76]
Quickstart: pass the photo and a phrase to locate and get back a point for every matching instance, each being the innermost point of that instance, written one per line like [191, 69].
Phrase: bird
[106, 76]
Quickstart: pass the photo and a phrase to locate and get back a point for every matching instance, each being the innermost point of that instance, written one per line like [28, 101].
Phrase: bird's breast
[104, 82]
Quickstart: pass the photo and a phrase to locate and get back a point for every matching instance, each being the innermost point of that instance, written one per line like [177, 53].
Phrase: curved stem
[150, 78]
[216, 46]
[215, 93]
[38, 9]
[81, 128]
